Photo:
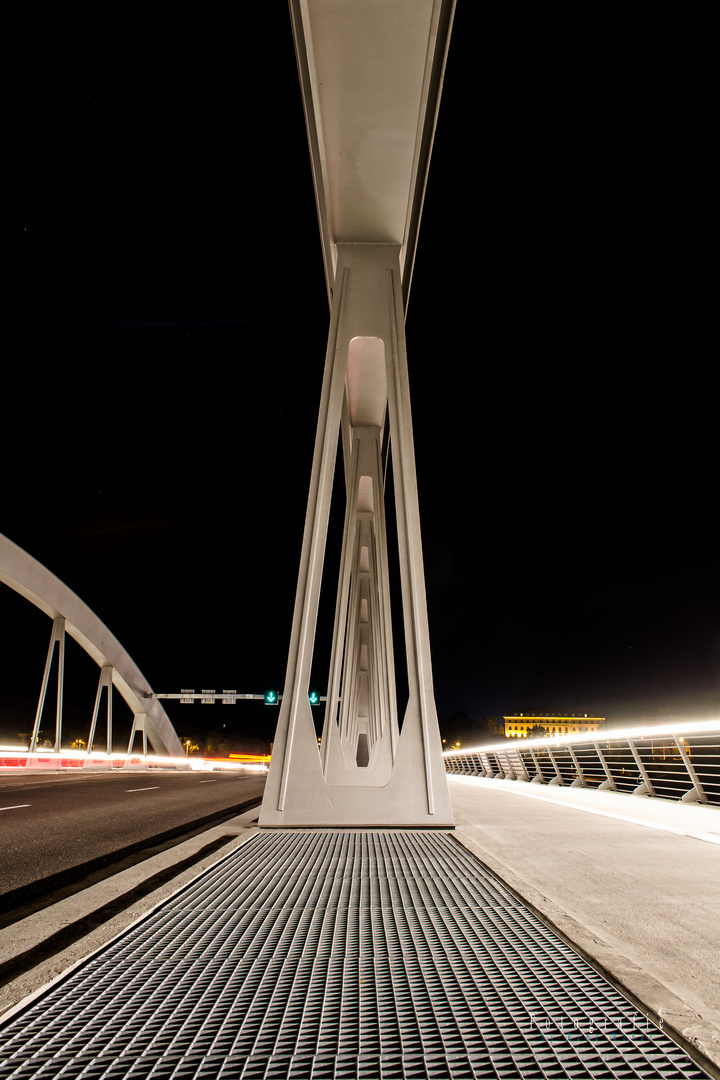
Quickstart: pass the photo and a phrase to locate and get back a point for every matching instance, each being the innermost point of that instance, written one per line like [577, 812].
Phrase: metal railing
[678, 761]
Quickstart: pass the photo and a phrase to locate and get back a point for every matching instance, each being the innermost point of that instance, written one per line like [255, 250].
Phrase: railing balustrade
[679, 761]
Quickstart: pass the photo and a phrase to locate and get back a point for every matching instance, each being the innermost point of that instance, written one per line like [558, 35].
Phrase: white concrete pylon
[366, 394]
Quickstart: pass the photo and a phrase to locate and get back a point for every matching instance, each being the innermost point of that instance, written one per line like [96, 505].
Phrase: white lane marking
[156, 788]
[208, 781]
[714, 838]
[18, 807]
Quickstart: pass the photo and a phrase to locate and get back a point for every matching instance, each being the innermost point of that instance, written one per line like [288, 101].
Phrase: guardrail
[679, 761]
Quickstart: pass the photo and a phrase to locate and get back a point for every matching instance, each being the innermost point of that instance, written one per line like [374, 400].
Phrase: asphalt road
[51, 825]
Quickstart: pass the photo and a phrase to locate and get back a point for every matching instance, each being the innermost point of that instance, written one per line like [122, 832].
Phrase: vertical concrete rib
[408, 523]
[57, 634]
[313, 551]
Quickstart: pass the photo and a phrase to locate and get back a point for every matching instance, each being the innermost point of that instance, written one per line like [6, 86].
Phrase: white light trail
[655, 731]
[44, 759]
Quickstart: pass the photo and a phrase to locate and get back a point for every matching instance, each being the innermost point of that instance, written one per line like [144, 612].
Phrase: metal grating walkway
[338, 954]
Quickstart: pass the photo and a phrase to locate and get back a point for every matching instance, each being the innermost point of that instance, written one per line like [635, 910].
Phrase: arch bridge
[71, 616]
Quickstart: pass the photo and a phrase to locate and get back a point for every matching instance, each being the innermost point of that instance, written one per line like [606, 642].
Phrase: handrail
[668, 761]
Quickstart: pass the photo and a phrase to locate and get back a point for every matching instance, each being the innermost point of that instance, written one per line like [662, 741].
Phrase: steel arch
[25, 575]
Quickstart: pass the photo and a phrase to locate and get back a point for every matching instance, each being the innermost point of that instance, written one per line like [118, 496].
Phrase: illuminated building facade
[554, 725]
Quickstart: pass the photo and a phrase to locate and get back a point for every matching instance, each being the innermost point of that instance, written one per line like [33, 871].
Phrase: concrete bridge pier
[367, 772]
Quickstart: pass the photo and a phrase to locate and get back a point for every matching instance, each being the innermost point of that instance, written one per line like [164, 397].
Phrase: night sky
[168, 324]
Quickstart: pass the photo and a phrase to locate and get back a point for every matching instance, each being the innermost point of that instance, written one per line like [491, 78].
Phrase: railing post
[646, 781]
[521, 773]
[580, 782]
[538, 778]
[696, 794]
[507, 769]
[557, 780]
[609, 783]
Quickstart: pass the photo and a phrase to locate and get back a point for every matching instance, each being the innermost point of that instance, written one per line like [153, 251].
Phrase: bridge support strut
[367, 771]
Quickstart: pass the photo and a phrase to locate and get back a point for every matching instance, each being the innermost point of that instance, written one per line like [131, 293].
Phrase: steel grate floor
[338, 955]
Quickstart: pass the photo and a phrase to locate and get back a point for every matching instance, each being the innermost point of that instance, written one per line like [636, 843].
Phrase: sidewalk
[640, 898]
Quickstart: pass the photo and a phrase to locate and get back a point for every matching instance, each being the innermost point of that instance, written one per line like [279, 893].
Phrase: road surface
[50, 825]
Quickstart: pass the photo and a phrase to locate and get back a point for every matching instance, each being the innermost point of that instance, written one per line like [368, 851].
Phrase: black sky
[167, 335]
